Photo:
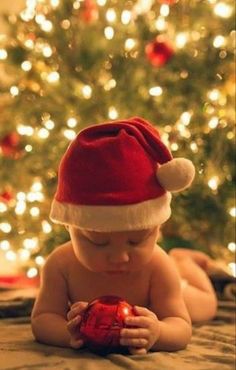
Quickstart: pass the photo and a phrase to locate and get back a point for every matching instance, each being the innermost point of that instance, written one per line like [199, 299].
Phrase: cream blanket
[211, 348]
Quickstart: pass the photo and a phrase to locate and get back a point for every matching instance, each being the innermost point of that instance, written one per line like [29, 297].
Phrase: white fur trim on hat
[176, 174]
[138, 216]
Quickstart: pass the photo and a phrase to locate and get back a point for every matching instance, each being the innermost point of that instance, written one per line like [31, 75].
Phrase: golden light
[30, 244]
[109, 33]
[4, 245]
[174, 147]
[164, 10]
[110, 84]
[213, 123]
[26, 65]
[46, 26]
[3, 207]
[46, 227]
[101, 2]
[87, 91]
[213, 183]
[232, 247]
[47, 51]
[34, 211]
[5, 227]
[155, 91]
[39, 260]
[24, 254]
[232, 211]
[223, 10]
[129, 44]
[14, 91]
[49, 124]
[181, 40]
[126, 16]
[53, 77]
[112, 113]
[20, 207]
[25, 130]
[69, 134]
[55, 3]
[185, 118]
[232, 266]
[160, 24]
[72, 122]
[10, 255]
[32, 272]
[43, 133]
[111, 15]
[3, 54]
[219, 41]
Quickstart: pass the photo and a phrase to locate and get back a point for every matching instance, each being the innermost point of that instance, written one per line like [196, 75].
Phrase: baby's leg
[198, 293]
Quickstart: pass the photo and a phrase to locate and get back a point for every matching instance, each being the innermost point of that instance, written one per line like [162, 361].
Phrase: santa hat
[118, 176]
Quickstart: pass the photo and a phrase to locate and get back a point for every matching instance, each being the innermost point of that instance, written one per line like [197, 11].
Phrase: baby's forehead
[131, 233]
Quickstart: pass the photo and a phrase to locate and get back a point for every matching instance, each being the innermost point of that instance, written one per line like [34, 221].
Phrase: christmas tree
[68, 64]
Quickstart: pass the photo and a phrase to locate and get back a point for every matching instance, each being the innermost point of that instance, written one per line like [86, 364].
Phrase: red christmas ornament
[9, 145]
[168, 2]
[89, 11]
[159, 51]
[6, 196]
[102, 322]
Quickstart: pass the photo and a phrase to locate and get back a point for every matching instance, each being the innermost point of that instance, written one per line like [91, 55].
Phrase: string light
[126, 16]
[232, 247]
[223, 10]
[213, 183]
[69, 134]
[87, 91]
[14, 91]
[32, 272]
[3, 54]
[72, 122]
[111, 15]
[155, 91]
[112, 113]
[109, 33]
[232, 212]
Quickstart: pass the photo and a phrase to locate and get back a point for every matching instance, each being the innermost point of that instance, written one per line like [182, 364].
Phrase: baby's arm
[48, 319]
[167, 303]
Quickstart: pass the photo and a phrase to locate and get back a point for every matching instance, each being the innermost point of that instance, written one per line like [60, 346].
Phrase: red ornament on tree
[102, 322]
[89, 11]
[168, 2]
[10, 145]
[159, 51]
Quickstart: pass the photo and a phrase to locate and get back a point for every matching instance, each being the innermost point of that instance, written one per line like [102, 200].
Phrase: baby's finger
[134, 342]
[134, 333]
[137, 351]
[72, 325]
[75, 309]
[140, 321]
[143, 311]
[76, 343]
[79, 304]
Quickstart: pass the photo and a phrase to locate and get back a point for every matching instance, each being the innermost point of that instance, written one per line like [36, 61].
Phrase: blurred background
[65, 64]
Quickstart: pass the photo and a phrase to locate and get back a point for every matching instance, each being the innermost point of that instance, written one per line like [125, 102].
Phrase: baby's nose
[120, 257]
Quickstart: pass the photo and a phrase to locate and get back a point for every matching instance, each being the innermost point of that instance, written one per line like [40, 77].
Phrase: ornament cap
[176, 174]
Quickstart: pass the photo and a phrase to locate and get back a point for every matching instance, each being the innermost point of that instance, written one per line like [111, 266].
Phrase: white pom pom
[176, 174]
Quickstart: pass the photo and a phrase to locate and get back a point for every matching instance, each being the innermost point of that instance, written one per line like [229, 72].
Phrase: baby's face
[113, 253]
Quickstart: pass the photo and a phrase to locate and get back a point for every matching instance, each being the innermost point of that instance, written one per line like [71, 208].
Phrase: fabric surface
[212, 348]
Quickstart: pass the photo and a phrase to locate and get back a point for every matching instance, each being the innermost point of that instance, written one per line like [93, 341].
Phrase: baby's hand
[146, 332]
[74, 318]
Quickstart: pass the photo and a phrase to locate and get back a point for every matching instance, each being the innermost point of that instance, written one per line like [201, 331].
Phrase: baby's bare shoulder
[163, 267]
[61, 256]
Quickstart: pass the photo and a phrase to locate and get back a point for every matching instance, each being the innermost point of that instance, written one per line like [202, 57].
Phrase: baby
[114, 192]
